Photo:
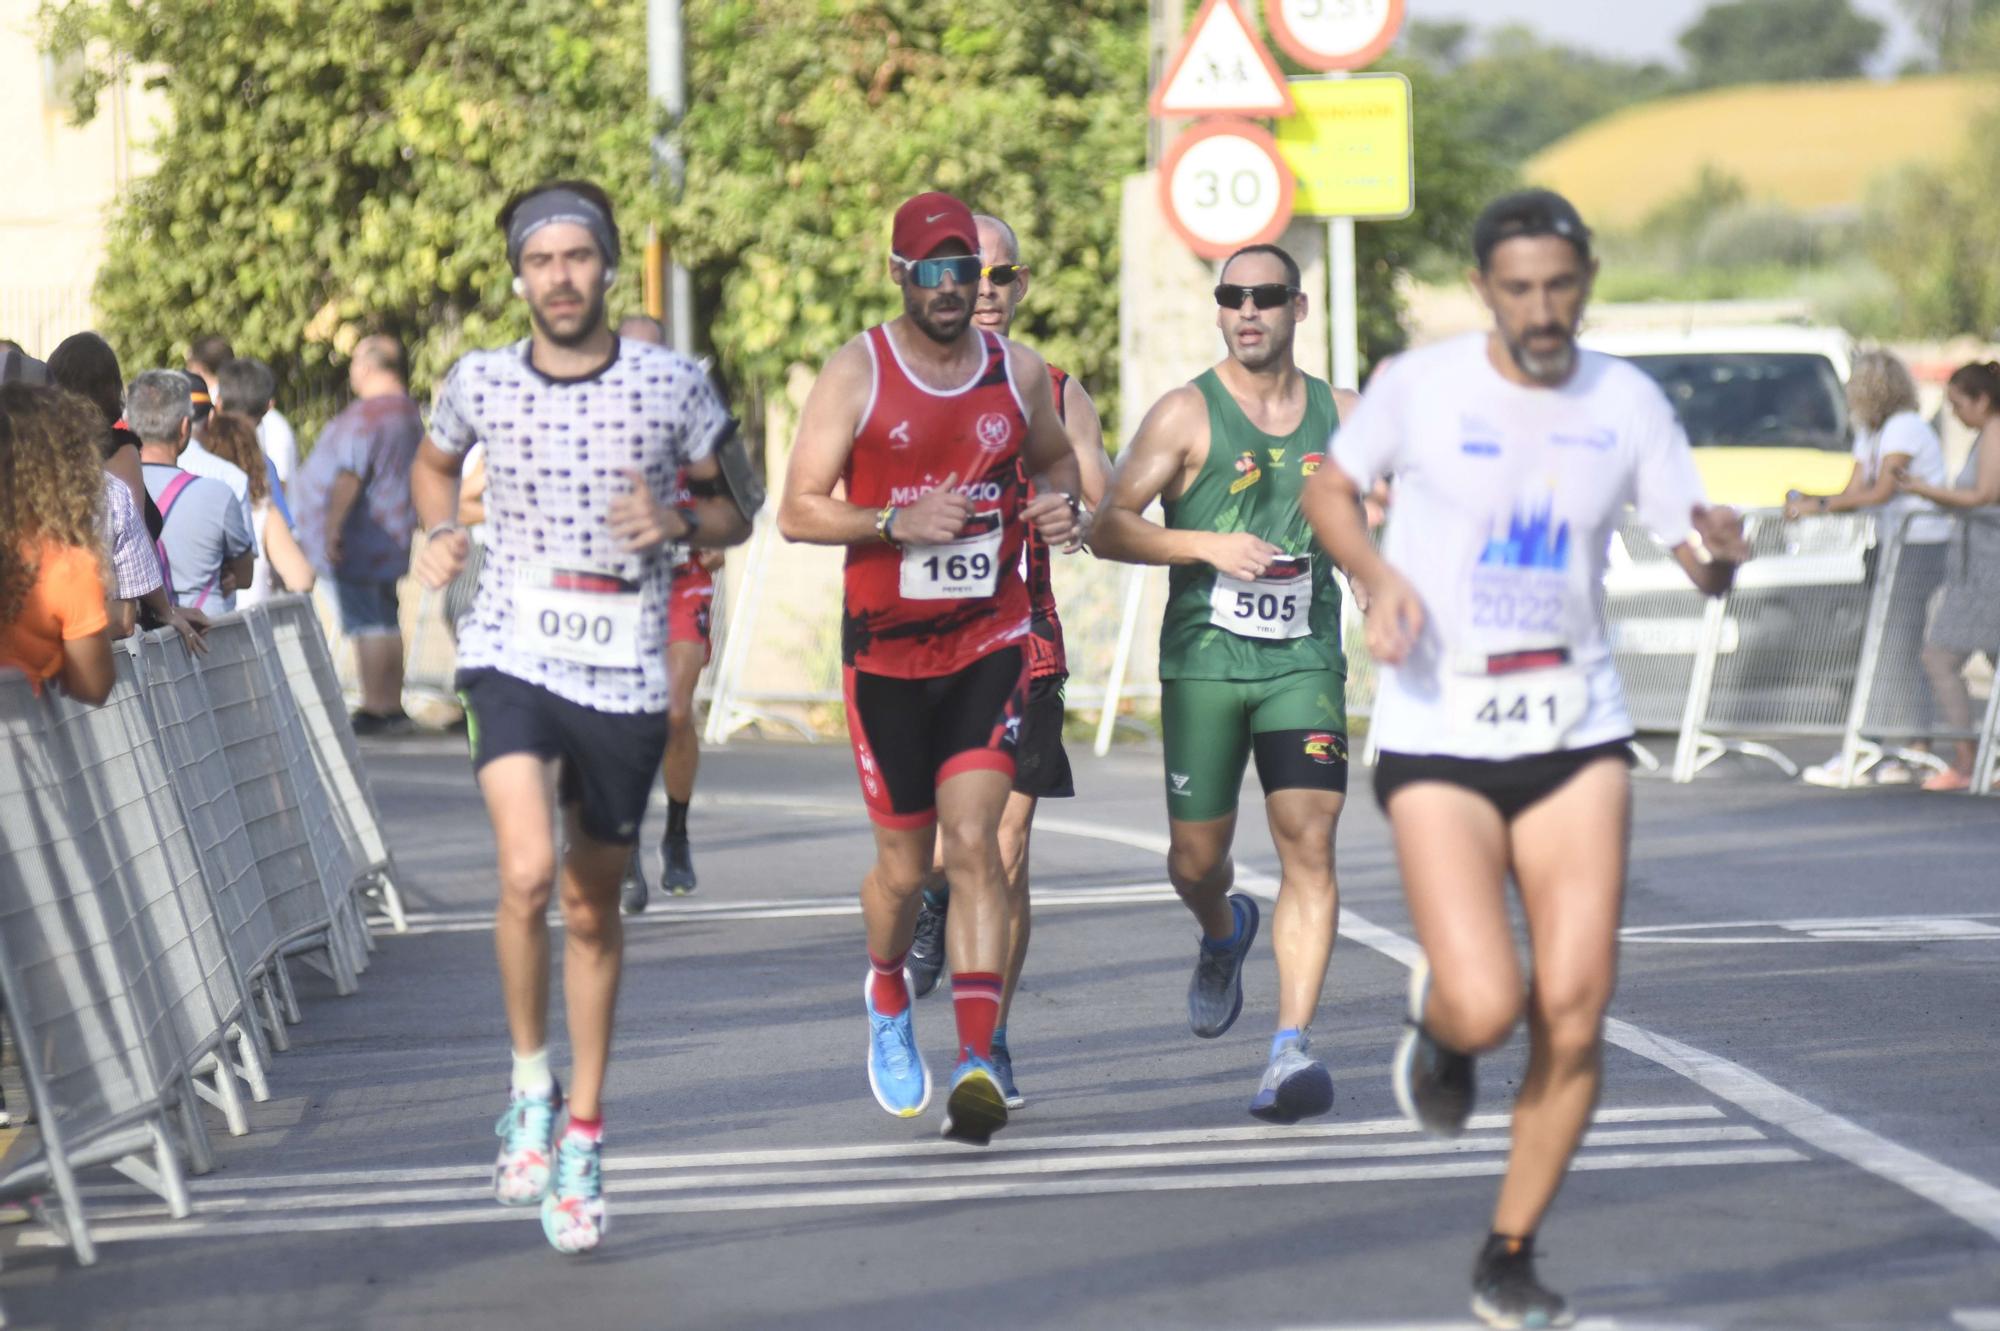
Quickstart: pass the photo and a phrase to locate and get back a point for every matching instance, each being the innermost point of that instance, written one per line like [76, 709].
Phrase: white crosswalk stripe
[930, 1172]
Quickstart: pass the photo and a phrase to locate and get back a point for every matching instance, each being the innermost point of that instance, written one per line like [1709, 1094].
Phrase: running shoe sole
[1492, 1316]
[868, 1005]
[1307, 1093]
[975, 1110]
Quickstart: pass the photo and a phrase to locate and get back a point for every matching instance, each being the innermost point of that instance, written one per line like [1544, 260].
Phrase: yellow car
[1765, 407]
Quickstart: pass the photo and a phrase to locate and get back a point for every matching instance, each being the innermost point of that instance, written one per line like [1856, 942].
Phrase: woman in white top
[234, 439]
[1890, 440]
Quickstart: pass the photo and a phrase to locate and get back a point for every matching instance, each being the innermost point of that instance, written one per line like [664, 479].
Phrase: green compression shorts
[1296, 725]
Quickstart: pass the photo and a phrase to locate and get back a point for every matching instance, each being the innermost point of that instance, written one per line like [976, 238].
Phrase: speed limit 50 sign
[1334, 34]
[1223, 186]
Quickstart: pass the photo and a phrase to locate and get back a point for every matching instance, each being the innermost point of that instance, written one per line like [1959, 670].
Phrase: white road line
[1977, 1319]
[902, 1196]
[797, 908]
[1971, 1199]
[965, 1167]
[908, 1150]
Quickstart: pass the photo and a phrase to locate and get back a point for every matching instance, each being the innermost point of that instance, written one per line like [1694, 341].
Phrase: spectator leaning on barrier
[234, 438]
[1968, 615]
[85, 364]
[355, 520]
[205, 542]
[1890, 439]
[52, 577]
[247, 386]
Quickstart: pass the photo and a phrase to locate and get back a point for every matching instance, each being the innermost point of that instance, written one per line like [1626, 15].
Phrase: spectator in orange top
[52, 613]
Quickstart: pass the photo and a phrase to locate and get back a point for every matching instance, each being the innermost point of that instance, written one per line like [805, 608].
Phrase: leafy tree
[1946, 25]
[1779, 41]
[333, 167]
[812, 121]
[1527, 93]
[1440, 43]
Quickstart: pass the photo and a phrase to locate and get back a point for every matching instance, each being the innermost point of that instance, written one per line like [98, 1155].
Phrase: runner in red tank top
[929, 424]
[1041, 767]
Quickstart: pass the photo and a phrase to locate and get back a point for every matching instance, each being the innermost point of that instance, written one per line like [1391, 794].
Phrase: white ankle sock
[532, 1075]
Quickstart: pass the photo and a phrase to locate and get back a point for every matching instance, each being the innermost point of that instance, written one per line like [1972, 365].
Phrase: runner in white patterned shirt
[563, 682]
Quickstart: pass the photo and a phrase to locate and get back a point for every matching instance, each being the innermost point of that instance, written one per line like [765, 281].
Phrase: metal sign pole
[1343, 280]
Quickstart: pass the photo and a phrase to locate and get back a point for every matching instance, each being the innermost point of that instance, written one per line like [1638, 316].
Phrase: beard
[588, 323]
[945, 332]
[1544, 367]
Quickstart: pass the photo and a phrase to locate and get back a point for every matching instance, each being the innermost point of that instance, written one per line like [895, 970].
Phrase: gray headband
[560, 205]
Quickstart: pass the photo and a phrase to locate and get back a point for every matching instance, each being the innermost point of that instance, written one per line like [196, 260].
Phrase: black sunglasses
[1266, 295]
[1003, 274]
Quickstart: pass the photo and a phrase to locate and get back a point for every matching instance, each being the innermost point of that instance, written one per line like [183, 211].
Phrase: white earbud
[610, 276]
[520, 287]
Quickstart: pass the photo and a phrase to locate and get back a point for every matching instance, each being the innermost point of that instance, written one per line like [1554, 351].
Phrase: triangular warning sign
[1222, 69]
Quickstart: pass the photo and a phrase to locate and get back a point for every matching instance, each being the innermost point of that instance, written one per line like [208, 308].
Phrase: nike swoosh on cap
[929, 220]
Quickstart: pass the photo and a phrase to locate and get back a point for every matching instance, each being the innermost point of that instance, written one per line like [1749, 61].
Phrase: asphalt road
[1798, 1126]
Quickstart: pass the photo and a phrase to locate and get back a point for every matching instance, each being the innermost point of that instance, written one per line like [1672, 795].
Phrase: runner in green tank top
[1250, 658]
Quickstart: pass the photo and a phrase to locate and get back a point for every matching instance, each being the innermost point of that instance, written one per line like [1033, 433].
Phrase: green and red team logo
[1247, 473]
[1326, 748]
[1310, 463]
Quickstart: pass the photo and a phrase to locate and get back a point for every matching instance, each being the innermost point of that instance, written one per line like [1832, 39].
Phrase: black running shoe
[1433, 1084]
[378, 725]
[1505, 1292]
[676, 866]
[926, 959]
[632, 892]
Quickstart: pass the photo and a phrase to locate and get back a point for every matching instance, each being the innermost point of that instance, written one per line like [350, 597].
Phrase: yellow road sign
[1350, 146]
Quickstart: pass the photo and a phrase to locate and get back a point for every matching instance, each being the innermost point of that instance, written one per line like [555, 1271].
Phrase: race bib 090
[571, 615]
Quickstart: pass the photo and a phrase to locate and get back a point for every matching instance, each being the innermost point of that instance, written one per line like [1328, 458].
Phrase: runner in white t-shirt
[560, 670]
[1500, 719]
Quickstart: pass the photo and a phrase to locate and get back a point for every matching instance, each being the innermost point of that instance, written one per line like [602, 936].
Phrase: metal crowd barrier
[1892, 706]
[160, 858]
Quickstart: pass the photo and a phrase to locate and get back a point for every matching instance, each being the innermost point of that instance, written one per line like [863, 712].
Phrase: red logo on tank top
[994, 430]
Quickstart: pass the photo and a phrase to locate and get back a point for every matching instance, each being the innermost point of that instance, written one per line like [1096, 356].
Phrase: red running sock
[590, 1129]
[886, 989]
[975, 1001]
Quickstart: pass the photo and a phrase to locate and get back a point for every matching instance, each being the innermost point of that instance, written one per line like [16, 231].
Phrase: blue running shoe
[1215, 991]
[527, 1133]
[977, 1108]
[1003, 1072]
[573, 1214]
[1295, 1086]
[896, 1071]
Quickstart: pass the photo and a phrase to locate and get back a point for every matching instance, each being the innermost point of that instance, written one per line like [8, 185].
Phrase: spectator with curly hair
[233, 438]
[52, 577]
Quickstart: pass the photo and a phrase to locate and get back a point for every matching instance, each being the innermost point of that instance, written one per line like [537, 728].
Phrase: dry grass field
[1811, 146]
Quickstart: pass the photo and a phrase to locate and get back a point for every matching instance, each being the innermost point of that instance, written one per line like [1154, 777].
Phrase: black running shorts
[610, 760]
[1510, 785]
[911, 735]
[1041, 764]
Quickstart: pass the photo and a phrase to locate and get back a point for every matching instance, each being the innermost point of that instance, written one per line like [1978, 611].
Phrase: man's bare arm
[1156, 460]
[1086, 440]
[807, 511]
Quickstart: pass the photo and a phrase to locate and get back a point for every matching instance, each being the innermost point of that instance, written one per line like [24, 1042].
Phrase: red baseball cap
[928, 221]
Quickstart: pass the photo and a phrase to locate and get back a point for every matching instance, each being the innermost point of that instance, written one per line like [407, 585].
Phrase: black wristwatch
[693, 521]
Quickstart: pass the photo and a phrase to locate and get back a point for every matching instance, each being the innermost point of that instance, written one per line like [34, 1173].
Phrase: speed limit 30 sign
[1334, 34]
[1223, 186]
